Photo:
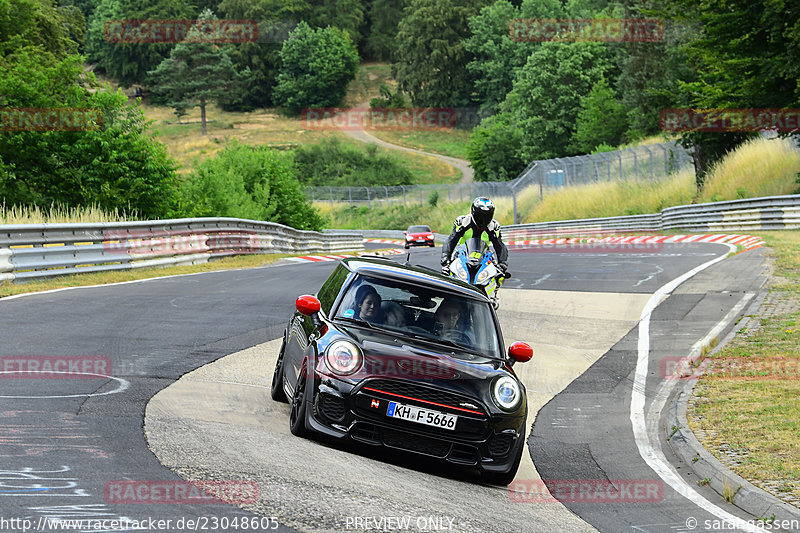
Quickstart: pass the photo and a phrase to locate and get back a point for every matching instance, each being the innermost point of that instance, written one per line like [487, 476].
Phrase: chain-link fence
[647, 162]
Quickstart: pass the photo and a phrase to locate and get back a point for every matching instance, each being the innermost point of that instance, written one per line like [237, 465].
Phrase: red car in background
[419, 236]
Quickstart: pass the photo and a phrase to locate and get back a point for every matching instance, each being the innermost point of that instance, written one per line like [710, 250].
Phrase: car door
[300, 344]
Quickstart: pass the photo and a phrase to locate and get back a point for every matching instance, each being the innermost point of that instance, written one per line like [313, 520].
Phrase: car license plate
[421, 416]
[420, 240]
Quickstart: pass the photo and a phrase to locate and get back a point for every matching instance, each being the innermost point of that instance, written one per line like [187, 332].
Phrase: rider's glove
[504, 270]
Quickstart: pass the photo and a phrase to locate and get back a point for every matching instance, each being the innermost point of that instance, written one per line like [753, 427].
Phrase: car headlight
[343, 357]
[506, 392]
[483, 275]
[460, 271]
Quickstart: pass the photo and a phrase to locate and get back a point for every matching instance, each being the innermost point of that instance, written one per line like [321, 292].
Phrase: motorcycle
[474, 262]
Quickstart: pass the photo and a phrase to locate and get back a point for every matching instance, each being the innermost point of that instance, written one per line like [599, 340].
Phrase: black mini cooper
[400, 356]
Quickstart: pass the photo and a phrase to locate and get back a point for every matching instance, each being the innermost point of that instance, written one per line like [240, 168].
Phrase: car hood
[400, 357]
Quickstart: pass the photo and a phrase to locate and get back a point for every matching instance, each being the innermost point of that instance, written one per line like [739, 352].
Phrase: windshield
[419, 229]
[422, 313]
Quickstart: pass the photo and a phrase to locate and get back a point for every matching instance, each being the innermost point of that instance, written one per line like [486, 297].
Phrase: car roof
[385, 268]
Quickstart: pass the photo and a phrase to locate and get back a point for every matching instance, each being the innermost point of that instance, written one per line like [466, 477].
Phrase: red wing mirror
[521, 352]
[307, 304]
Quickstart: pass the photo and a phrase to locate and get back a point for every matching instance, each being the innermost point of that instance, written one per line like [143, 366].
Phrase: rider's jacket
[465, 228]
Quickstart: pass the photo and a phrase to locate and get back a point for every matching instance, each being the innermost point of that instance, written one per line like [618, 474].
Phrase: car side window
[327, 294]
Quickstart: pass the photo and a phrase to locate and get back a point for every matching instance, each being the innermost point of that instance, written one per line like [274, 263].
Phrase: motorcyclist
[480, 223]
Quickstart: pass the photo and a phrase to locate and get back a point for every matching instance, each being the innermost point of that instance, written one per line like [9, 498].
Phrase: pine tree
[195, 74]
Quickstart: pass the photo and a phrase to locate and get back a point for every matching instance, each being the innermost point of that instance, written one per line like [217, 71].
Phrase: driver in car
[452, 321]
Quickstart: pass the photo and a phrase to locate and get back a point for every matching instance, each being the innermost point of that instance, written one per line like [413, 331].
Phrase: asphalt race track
[68, 442]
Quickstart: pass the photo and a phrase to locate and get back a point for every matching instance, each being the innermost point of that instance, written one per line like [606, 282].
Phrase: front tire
[297, 416]
[276, 390]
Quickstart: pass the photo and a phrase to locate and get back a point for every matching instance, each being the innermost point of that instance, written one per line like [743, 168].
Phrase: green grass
[749, 400]
[452, 142]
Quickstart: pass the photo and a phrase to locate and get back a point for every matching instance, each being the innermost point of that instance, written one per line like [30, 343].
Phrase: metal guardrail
[766, 213]
[381, 233]
[30, 251]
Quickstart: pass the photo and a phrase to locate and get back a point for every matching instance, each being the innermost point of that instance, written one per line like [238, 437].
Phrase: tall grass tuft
[60, 214]
[759, 167]
[615, 198]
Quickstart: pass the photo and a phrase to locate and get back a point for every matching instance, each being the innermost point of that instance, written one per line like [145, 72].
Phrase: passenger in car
[368, 304]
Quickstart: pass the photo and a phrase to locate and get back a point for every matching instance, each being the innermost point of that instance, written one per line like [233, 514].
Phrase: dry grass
[760, 167]
[614, 198]
[266, 128]
[367, 84]
[57, 214]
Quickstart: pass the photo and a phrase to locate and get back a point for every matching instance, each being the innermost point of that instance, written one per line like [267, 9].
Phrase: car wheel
[276, 390]
[297, 416]
[406, 246]
[504, 478]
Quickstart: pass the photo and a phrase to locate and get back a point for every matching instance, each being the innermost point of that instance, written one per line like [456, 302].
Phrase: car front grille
[410, 390]
[331, 407]
[414, 443]
[499, 445]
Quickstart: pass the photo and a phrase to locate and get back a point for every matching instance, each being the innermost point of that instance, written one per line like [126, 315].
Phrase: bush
[116, 165]
[248, 182]
[316, 67]
[388, 99]
[494, 149]
[602, 119]
[331, 163]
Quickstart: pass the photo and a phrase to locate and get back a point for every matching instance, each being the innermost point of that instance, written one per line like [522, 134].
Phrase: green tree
[495, 149]
[248, 182]
[129, 62]
[38, 23]
[347, 15]
[547, 92]
[601, 120]
[263, 57]
[195, 74]
[650, 73]
[431, 59]
[383, 16]
[114, 166]
[316, 67]
[495, 56]
[745, 57]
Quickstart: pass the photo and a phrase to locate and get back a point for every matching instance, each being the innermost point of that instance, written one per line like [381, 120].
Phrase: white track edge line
[645, 447]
